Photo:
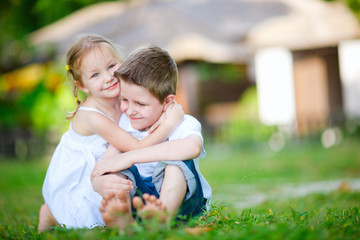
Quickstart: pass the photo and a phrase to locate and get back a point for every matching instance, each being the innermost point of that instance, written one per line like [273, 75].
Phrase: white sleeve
[190, 126]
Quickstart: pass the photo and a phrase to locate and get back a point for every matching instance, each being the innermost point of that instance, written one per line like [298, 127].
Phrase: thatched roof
[210, 30]
[311, 24]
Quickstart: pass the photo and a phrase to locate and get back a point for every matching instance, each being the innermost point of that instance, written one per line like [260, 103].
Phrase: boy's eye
[111, 66]
[94, 75]
[124, 100]
[140, 104]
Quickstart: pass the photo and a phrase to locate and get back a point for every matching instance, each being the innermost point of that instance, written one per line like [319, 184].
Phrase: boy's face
[140, 106]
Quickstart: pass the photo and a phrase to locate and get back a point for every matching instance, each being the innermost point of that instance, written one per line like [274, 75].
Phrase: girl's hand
[158, 123]
[110, 164]
[174, 115]
[108, 183]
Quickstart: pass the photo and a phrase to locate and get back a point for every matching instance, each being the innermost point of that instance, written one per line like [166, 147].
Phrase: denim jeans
[193, 202]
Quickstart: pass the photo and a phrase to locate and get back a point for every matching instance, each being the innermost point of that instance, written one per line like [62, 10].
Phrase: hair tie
[67, 67]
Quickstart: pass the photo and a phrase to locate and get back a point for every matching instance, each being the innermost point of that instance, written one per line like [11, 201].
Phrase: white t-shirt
[188, 127]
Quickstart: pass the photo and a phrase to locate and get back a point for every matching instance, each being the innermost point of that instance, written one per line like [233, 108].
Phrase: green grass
[317, 216]
[302, 161]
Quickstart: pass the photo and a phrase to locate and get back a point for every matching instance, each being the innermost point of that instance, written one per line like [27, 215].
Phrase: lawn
[234, 172]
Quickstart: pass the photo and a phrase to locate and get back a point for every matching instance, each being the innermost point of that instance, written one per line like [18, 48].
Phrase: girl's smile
[112, 86]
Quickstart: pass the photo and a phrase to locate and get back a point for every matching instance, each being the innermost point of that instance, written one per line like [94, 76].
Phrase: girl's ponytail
[70, 115]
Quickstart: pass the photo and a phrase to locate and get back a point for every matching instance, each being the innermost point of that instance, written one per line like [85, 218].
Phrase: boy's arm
[181, 149]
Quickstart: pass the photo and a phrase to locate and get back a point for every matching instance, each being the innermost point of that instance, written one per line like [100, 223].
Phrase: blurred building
[305, 66]
[301, 53]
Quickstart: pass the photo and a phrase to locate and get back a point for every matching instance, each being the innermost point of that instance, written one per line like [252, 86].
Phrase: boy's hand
[110, 183]
[110, 164]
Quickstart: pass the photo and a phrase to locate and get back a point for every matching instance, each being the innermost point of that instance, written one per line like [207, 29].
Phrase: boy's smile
[140, 106]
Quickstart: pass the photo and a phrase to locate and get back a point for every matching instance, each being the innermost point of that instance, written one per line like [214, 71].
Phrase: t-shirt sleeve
[190, 126]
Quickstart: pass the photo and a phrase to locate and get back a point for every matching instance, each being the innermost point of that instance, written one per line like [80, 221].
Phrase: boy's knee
[175, 173]
[173, 169]
[120, 175]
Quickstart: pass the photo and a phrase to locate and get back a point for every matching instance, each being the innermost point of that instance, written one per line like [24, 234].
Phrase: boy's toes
[137, 202]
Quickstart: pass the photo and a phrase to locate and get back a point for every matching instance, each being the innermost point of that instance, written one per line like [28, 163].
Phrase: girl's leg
[46, 219]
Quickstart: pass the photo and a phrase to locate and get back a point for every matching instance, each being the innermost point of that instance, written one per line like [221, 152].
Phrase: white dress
[67, 188]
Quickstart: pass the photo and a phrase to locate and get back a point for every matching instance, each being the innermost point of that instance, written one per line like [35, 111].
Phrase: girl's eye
[111, 66]
[141, 104]
[94, 75]
[124, 100]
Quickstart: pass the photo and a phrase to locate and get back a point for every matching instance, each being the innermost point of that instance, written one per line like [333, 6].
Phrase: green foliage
[228, 73]
[42, 108]
[353, 5]
[50, 11]
[21, 17]
[33, 106]
[244, 125]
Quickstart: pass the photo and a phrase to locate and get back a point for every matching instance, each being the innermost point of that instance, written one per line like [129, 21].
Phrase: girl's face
[97, 74]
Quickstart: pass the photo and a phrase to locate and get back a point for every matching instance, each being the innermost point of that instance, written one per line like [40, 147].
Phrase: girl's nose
[108, 76]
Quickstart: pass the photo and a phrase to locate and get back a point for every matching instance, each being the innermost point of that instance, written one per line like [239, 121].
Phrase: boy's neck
[141, 130]
[144, 130]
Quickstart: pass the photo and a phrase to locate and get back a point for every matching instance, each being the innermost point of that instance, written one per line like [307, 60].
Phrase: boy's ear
[168, 100]
[79, 85]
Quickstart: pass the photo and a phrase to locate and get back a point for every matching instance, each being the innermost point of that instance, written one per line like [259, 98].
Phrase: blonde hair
[75, 55]
[152, 68]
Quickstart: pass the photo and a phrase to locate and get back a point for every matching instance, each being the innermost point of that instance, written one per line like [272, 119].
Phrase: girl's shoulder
[92, 109]
[86, 118]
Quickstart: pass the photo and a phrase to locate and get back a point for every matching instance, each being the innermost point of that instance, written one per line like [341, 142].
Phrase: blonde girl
[69, 197]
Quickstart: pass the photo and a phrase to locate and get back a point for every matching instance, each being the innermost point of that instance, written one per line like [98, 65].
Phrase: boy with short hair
[168, 173]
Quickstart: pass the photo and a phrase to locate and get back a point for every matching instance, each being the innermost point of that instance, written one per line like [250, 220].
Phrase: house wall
[300, 89]
[275, 86]
[349, 61]
[311, 91]
[318, 89]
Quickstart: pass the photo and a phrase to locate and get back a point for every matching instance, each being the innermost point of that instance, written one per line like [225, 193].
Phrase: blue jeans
[193, 202]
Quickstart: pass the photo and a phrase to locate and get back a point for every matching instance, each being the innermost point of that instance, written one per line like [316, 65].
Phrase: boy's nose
[129, 110]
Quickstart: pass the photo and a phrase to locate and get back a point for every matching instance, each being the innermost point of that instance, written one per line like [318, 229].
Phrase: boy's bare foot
[116, 210]
[152, 209]
[46, 219]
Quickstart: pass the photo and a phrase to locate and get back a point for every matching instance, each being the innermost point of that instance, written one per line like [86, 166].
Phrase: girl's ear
[79, 85]
[168, 100]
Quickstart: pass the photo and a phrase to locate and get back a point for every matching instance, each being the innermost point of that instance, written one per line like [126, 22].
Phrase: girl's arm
[180, 149]
[124, 141]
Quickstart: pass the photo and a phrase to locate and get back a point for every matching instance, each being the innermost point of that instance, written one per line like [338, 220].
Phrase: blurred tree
[354, 6]
[20, 17]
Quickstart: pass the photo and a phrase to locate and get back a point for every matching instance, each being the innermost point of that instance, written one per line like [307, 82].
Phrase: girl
[69, 197]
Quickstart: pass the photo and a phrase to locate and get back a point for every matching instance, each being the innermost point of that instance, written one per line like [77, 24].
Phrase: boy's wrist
[132, 161]
[131, 158]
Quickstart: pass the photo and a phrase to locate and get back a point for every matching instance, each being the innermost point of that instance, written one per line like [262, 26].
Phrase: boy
[170, 182]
